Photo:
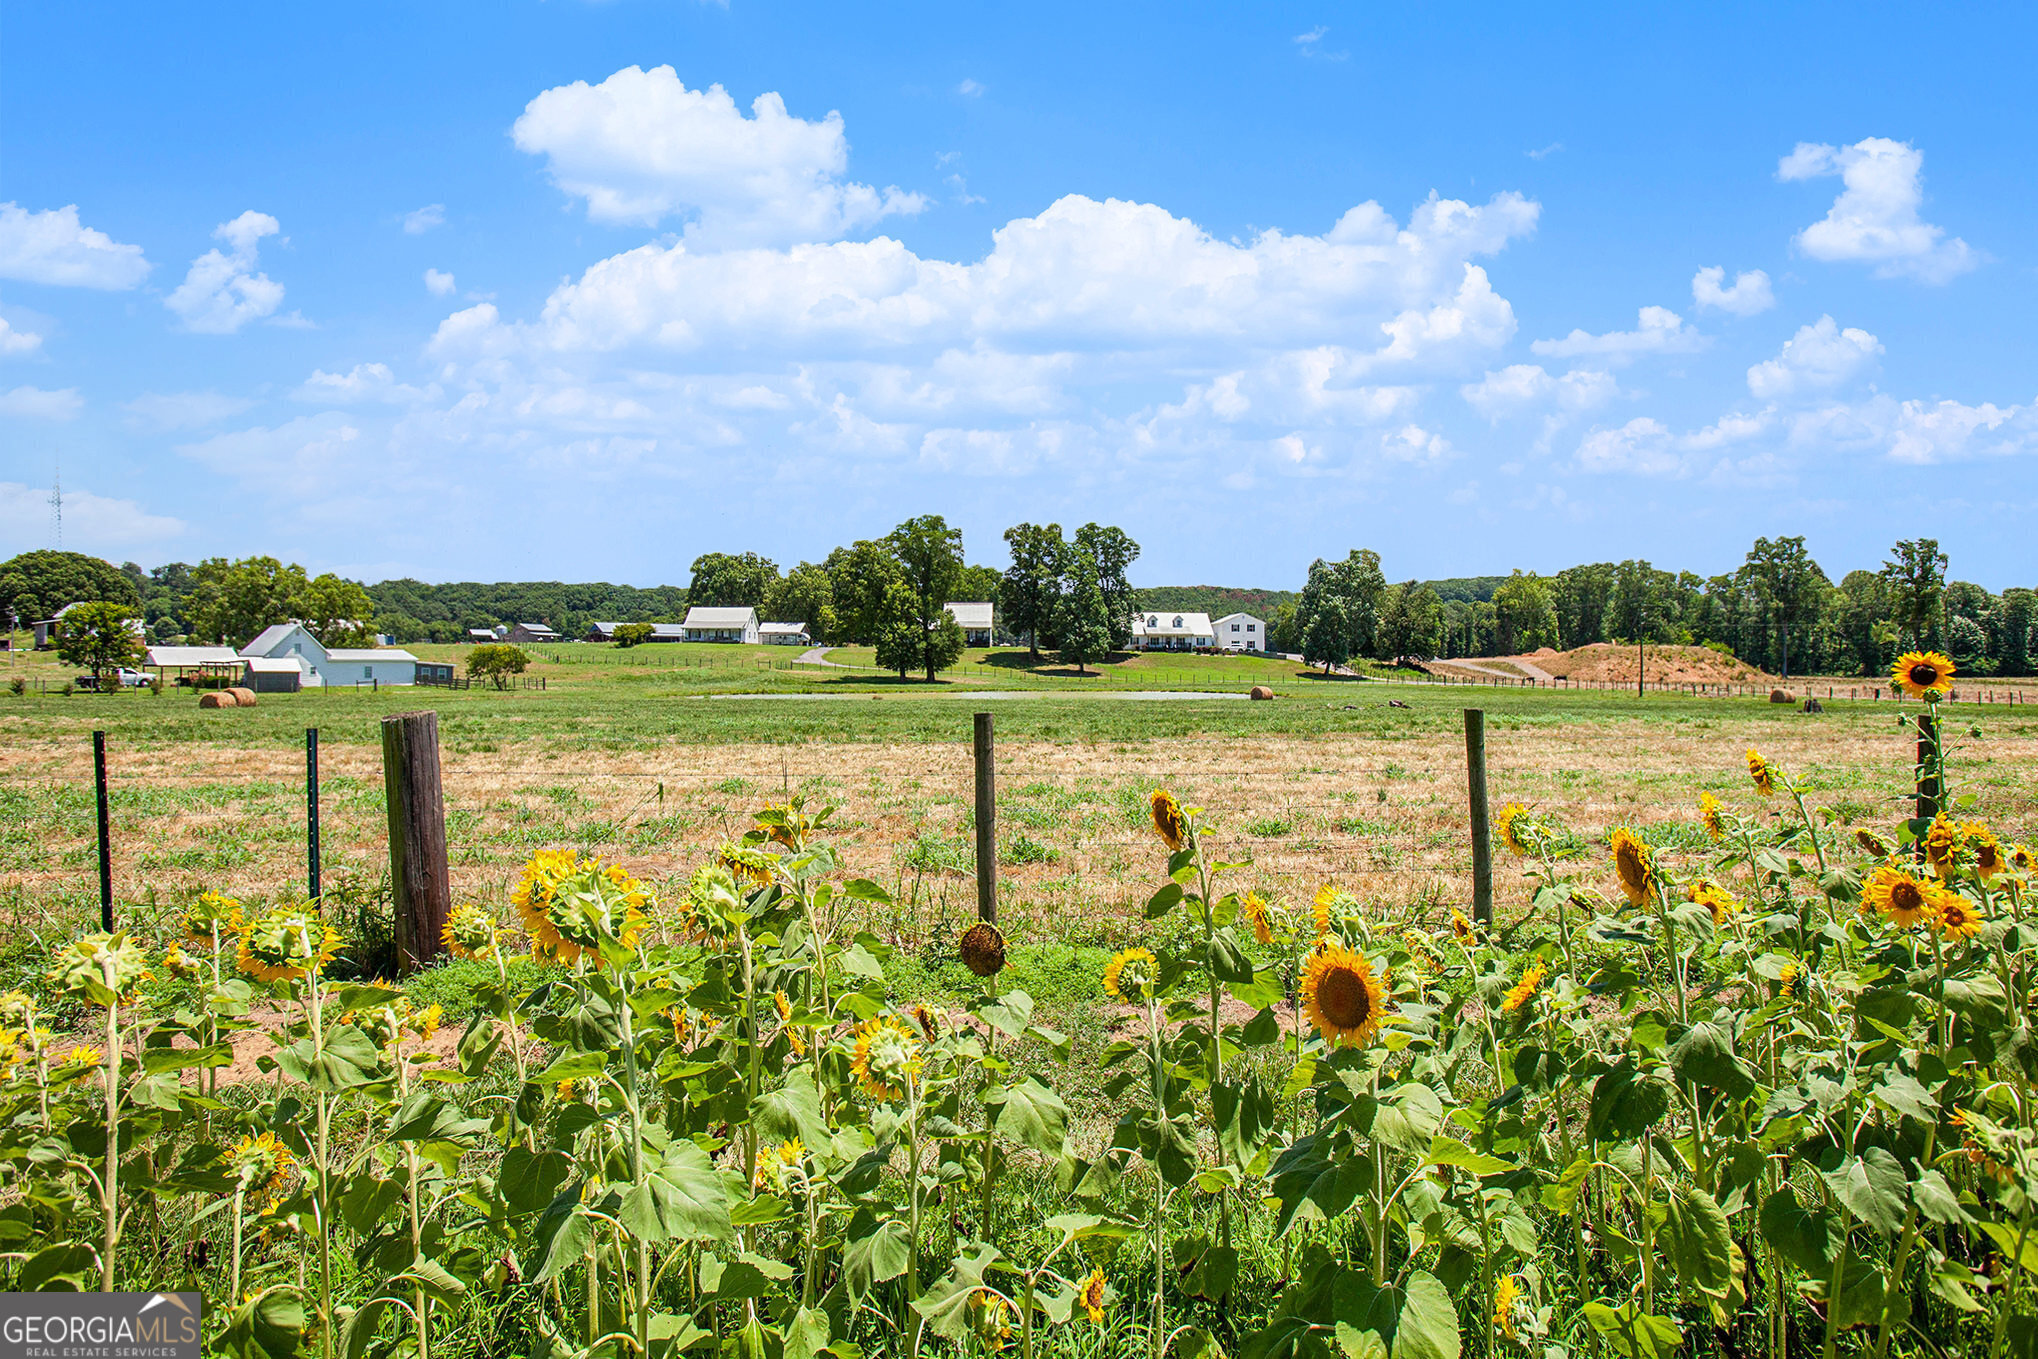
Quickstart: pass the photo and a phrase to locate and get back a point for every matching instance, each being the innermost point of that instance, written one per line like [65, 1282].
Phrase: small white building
[1160, 630]
[1241, 632]
[975, 620]
[319, 665]
[721, 625]
[783, 634]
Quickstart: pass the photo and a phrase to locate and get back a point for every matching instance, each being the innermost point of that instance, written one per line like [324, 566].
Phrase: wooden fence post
[311, 810]
[984, 748]
[105, 833]
[423, 896]
[1482, 840]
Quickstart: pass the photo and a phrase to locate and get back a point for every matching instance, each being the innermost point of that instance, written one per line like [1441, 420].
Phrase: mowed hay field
[1336, 785]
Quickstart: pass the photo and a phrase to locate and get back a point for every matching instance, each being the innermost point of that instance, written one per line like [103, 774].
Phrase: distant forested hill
[414, 611]
[1216, 600]
[1470, 589]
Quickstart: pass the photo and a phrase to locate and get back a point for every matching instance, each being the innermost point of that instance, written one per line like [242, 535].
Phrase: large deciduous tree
[231, 602]
[1030, 592]
[930, 563]
[723, 580]
[1082, 622]
[338, 612]
[100, 635]
[34, 585]
[1113, 552]
[1916, 583]
[806, 595]
[1524, 615]
[860, 577]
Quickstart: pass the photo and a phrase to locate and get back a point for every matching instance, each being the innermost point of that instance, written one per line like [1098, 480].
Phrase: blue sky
[574, 290]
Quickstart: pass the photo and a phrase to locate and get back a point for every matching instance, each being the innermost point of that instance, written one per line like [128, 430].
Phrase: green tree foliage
[497, 662]
[1524, 614]
[860, 578]
[34, 585]
[413, 611]
[905, 642]
[1082, 623]
[2013, 631]
[632, 634]
[1916, 579]
[1411, 623]
[230, 602]
[1113, 552]
[338, 612]
[1582, 596]
[806, 595]
[929, 553]
[1788, 588]
[1030, 592]
[99, 635]
[721, 580]
[1322, 618]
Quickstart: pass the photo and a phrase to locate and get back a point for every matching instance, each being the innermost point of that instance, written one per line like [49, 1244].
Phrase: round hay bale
[1261, 691]
[218, 698]
[1778, 696]
[243, 695]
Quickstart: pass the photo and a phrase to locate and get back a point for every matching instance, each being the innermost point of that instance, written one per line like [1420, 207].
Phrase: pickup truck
[129, 679]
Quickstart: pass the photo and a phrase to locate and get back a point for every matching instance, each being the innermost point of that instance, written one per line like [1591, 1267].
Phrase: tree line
[1070, 595]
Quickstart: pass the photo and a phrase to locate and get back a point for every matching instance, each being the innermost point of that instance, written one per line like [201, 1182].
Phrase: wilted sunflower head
[470, 932]
[1343, 996]
[1714, 898]
[1986, 849]
[1955, 915]
[750, 867]
[1169, 821]
[929, 1022]
[990, 1318]
[1761, 774]
[1634, 864]
[260, 1162]
[1506, 1294]
[17, 1010]
[100, 968]
[179, 964]
[1460, 926]
[887, 1057]
[1091, 1296]
[2022, 859]
[1923, 674]
[1258, 915]
[1902, 899]
[1942, 841]
[1709, 817]
[1790, 979]
[210, 918]
[1130, 974]
[783, 823]
[983, 949]
[1870, 842]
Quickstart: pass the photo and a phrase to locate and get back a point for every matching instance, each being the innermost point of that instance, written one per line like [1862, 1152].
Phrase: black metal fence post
[1482, 841]
[311, 808]
[105, 834]
[984, 749]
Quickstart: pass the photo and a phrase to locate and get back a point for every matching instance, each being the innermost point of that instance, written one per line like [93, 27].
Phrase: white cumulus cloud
[55, 247]
[14, 341]
[366, 382]
[1521, 388]
[223, 292]
[1749, 293]
[421, 220]
[641, 147]
[35, 403]
[1643, 446]
[438, 283]
[95, 523]
[1875, 219]
[1819, 358]
[1658, 330]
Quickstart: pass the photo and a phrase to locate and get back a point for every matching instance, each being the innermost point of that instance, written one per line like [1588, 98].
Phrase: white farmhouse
[721, 625]
[319, 665]
[783, 634]
[1241, 632]
[975, 620]
[1160, 630]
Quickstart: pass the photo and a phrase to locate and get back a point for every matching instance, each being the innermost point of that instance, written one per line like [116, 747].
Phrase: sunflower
[682, 1024]
[1635, 865]
[929, 1022]
[96, 965]
[85, 1057]
[178, 964]
[887, 1057]
[983, 949]
[1709, 817]
[1759, 771]
[469, 932]
[1941, 842]
[1988, 851]
[1714, 898]
[1524, 990]
[569, 905]
[1460, 926]
[211, 916]
[1510, 833]
[1169, 822]
[1899, 896]
[1505, 1294]
[1345, 1000]
[1091, 1296]
[2022, 859]
[286, 944]
[782, 824]
[260, 1162]
[1130, 975]
[1253, 907]
[991, 1318]
[1923, 674]
[1870, 842]
[1955, 915]
[746, 865]
[1788, 980]
[1330, 903]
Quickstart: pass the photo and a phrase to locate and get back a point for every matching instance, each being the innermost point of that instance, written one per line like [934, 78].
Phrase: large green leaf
[1698, 1242]
[681, 1198]
[1871, 1186]
[529, 1179]
[1408, 1118]
[270, 1325]
[1803, 1236]
[879, 1254]
[1416, 1321]
[62, 1268]
[1704, 1055]
[1033, 1115]
[1244, 1114]
[1625, 1103]
[1227, 958]
[792, 1110]
[1632, 1332]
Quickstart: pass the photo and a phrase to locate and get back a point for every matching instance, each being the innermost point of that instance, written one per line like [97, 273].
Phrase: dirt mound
[1666, 665]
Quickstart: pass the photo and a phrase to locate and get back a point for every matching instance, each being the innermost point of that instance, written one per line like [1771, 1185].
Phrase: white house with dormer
[707, 624]
[1241, 632]
[1163, 630]
[319, 665]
